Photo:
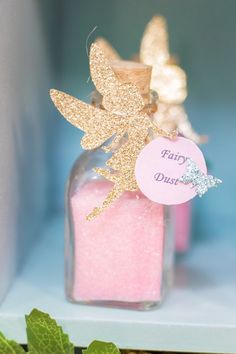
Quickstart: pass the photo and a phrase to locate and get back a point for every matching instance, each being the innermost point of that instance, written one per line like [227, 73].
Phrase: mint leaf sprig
[9, 346]
[97, 347]
[45, 336]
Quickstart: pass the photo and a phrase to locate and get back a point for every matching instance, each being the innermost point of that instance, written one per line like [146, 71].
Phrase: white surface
[199, 315]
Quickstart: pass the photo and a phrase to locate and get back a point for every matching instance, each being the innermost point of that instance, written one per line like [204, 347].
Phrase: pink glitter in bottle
[122, 258]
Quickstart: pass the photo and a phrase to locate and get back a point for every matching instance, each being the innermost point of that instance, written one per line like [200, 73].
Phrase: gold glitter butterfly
[123, 115]
[168, 79]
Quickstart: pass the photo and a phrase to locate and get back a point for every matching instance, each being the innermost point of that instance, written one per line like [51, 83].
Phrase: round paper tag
[160, 165]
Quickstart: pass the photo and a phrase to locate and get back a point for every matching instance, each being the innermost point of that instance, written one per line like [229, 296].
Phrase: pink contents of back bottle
[182, 226]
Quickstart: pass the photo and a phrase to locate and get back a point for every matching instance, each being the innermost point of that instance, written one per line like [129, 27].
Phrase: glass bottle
[124, 257]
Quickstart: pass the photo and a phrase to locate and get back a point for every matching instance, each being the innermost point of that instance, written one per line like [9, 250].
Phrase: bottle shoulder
[86, 162]
[90, 159]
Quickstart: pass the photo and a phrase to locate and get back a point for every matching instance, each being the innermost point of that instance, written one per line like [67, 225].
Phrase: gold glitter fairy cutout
[168, 80]
[123, 115]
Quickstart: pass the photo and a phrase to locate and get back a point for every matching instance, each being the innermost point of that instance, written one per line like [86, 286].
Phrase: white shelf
[198, 316]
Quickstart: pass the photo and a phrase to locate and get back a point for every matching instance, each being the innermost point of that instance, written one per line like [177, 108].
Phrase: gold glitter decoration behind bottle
[107, 49]
[155, 43]
[168, 79]
[123, 115]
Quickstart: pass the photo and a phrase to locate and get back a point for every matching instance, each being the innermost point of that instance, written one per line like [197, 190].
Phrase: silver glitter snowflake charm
[198, 179]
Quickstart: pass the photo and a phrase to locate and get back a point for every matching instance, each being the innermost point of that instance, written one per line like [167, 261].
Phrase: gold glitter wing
[99, 125]
[119, 98]
[101, 72]
[109, 52]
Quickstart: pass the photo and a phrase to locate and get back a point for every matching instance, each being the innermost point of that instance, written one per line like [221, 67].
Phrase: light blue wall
[24, 125]
[202, 33]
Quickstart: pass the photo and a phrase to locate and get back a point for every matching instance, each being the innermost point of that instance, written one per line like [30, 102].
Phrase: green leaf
[9, 346]
[98, 347]
[45, 336]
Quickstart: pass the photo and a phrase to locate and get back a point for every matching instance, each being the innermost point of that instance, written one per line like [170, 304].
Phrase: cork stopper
[135, 73]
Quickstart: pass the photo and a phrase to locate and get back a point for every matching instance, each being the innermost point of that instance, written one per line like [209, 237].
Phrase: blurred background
[44, 45]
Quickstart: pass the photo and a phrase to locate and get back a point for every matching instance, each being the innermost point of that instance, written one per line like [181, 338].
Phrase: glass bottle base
[128, 305]
[139, 306]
